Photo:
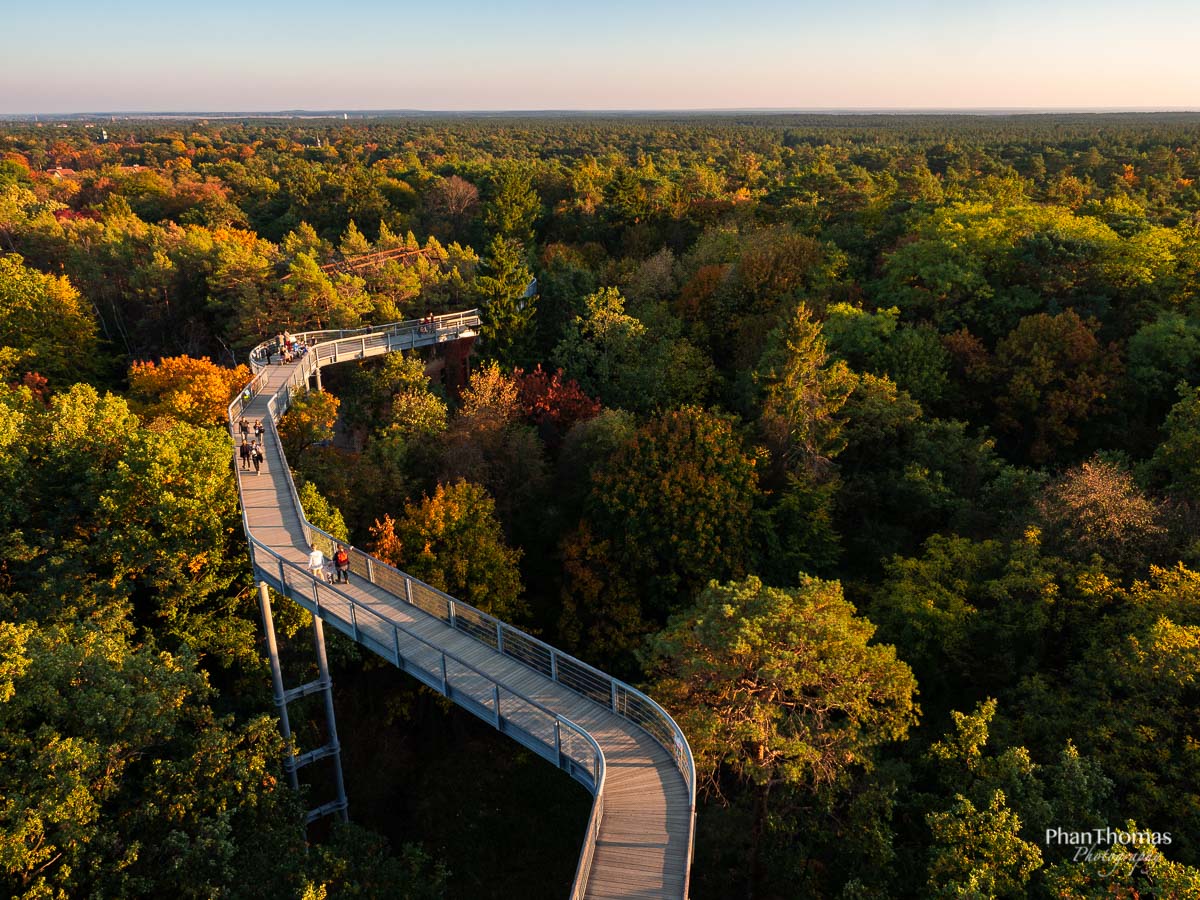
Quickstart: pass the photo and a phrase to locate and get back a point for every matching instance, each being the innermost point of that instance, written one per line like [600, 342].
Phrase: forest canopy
[865, 444]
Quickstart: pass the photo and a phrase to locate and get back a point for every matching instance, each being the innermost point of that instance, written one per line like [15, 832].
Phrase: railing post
[445, 684]
[316, 598]
[370, 570]
[354, 622]
[553, 665]
[282, 580]
[363, 352]
[613, 682]
[396, 645]
[453, 614]
[499, 636]
[557, 743]
[496, 703]
[408, 590]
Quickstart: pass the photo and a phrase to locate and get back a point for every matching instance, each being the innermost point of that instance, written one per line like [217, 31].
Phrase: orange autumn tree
[191, 390]
[452, 541]
[309, 420]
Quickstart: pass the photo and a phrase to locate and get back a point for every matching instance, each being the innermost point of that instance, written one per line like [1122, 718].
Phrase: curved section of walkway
[606, 734]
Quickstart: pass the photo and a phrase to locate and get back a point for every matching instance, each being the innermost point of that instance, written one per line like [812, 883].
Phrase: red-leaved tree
[553, 403]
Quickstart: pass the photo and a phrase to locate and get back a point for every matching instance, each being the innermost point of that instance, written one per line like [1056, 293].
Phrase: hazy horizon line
[341, 112]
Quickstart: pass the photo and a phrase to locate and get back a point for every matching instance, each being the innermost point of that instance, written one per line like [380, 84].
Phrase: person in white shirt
[316, 563]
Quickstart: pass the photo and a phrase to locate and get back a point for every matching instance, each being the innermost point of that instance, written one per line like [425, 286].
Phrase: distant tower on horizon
[345, 117]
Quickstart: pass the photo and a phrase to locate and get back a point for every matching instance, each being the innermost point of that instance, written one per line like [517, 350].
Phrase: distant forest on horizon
[867, 445]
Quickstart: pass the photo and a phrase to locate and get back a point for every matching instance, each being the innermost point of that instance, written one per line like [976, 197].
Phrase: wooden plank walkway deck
[643, 846]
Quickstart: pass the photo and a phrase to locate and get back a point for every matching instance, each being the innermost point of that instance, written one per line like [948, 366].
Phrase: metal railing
[444, 327]
[526, 720]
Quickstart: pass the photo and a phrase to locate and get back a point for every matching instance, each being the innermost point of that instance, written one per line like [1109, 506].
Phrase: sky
[134, 55]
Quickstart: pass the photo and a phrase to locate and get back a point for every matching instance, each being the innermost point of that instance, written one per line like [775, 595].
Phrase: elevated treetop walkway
[378, 259]
[609, 736]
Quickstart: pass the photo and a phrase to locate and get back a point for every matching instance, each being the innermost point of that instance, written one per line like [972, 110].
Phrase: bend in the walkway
[609, 736]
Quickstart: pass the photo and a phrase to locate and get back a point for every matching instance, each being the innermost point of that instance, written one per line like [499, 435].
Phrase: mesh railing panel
[478, 625]
[577, 748]
[527, 717]
[584, 681]
[637, 710]
[532, 653]
[427, 599]
[419, 654]
[389, 579]
[467, 681]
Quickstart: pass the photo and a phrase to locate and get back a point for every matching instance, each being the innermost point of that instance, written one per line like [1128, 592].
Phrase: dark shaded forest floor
[418, 770]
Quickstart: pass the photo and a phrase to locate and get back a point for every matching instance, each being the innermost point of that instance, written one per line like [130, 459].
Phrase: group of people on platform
[251, 452]
[428, 323]
[290, 348]
[335, 570]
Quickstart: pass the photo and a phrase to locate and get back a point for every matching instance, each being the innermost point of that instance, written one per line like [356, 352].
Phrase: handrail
[620, 698]
[261, 354]
[320, 586]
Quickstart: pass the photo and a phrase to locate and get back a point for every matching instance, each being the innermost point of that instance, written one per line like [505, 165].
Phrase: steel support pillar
[324, 685]
[323, 674]
[264, 607]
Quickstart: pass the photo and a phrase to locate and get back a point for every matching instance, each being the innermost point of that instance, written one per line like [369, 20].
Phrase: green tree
[353, 242]
[46, 322]
[121, 780]
[322, 513]
[979, 852]
[804, 393]
[315, 300]
[1056, 375]
[676, 502]
[616, 357]
[1177, 458]
[309, 420]
[994, 806]
[801, 535]
[508, 315]
[165, 520]
[781, 685]
[969, 613]
[601, 351]
[1162, 353]
[513, 204]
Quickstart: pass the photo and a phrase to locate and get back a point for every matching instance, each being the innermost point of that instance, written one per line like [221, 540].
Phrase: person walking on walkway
[245, 427]
[341, 560]
[258, 430]
[244, 453]
[316, 562]
[256, 454]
